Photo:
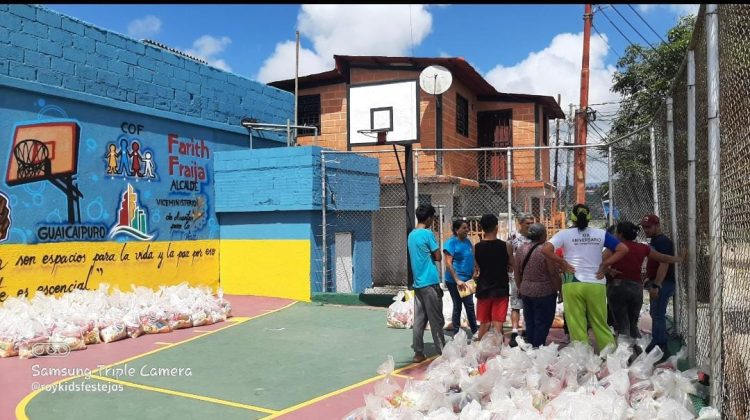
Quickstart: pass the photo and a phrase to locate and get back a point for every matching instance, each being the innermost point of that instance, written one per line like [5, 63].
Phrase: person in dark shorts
[459, 268]
[494, 258]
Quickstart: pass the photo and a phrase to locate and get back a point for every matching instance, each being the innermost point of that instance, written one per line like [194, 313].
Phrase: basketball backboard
[392, 105]
[43, 150]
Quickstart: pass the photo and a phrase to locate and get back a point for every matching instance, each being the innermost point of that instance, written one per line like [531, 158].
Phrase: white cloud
[144, 28]
[390, 30]
[557, 69]
[208, 48]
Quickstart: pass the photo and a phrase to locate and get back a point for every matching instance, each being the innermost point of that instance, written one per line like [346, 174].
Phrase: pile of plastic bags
[46, 324]
[489, 380]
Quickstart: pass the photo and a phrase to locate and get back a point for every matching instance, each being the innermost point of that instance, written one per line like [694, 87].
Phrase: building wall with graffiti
[93, 193]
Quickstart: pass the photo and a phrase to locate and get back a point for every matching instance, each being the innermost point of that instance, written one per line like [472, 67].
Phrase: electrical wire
[605, 41]
[636, 30]
[644, 21]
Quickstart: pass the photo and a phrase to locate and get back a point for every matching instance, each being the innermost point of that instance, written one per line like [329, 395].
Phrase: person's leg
[456, 298]
[529, 316]
[499, 313]
[483, 316]
[470, 314]
[596, 308]
[617, 301]
[433, 303]
[544, 316]
[659, 315]
[516, 306]
[575, 311]
[420, 322]
[635, 302]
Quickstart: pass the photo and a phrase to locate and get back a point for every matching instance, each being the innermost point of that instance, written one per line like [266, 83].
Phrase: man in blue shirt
[428, 296]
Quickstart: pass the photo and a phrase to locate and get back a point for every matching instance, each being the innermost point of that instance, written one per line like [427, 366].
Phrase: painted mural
[94, 194]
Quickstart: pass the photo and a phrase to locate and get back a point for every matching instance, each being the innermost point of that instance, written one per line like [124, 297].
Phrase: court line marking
[342, 390]
[21, 407]
[186, 395]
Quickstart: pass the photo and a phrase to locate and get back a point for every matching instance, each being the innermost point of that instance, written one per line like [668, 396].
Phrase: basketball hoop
[32, 157]
[381, 134]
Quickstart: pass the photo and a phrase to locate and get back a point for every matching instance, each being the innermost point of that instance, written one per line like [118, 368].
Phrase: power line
[644, 21]
[618, 29]
[605, 41]
[629, 24]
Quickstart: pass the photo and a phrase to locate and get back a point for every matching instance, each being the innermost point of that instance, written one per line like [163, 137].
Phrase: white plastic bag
[401, 313]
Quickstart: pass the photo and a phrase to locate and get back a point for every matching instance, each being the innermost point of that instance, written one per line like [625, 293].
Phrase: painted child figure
[136, 159]
[148, 164]
[112, 159]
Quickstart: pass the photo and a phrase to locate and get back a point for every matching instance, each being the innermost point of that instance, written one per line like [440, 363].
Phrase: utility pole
[296, 88]
[581, 115]
[557, 144]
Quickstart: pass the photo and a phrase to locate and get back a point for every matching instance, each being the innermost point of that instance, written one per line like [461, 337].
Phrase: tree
[644, 78]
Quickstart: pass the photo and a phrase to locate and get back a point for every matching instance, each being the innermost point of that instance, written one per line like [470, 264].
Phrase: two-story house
[473, 114]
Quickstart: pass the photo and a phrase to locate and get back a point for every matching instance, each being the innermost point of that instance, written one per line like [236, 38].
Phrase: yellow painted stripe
[402, 376]
[21, 407]
[161, 343]
[201, 331]
[342, 390]
[243, 318]
[187, 395]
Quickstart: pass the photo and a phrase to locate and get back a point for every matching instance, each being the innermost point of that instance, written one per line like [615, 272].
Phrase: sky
[531, 49]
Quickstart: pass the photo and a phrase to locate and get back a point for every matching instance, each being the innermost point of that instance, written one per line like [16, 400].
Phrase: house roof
[459, 68]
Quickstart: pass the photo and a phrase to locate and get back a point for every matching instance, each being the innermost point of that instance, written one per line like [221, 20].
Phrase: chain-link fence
[704, 123]
[473, 182]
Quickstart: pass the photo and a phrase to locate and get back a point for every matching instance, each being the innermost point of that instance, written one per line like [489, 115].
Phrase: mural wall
[95, 194]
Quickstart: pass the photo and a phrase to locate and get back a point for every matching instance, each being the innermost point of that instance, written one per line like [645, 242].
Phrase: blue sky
[518, 48]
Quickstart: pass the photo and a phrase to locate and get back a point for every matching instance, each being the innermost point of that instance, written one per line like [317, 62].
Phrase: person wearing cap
[584, 285]
[538, 282]
[517, 239]
[661, 281]
[625, 291]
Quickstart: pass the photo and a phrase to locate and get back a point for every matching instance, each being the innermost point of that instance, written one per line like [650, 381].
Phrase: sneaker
[513, 342]
[475, 337]
[419, 358]
[636, 352]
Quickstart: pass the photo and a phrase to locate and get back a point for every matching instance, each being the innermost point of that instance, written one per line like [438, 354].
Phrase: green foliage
[643, 78]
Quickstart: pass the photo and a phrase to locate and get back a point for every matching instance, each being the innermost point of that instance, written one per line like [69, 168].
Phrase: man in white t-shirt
[584, 285]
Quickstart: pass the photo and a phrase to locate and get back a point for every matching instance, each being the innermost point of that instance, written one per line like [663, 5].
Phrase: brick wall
[39, 45]
[289, 179]
[334, 130]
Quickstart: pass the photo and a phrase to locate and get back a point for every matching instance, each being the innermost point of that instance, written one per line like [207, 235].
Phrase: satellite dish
[435, 80]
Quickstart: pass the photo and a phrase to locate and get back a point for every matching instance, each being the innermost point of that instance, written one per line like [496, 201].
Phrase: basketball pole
[410, 207]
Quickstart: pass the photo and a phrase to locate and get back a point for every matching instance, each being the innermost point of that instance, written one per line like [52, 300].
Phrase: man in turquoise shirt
[428, 296]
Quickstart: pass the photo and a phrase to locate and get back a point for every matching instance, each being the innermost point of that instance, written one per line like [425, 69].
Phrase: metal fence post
[653, 171]
[673, 205]
[509, 170]
[441, 214]
[323, 206]
[692, 211]
[416, 183]
[714, 207]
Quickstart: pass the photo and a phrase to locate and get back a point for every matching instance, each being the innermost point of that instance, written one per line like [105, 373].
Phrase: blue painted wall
[146, 121]
[42, 46]
[276, 194]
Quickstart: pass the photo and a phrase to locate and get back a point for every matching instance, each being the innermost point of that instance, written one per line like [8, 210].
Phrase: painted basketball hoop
[380, 134]
[32, 157]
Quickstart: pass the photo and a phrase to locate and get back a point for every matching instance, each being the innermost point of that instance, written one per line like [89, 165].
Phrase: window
[462, 115]
[308, 112]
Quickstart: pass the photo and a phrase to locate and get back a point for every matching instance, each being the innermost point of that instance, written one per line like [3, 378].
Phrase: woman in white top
[584, 286]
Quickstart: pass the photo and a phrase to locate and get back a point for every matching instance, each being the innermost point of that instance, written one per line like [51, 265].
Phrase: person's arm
[509, 250]
[620, 250]
[476, 269]
[433, 245]
[451, 269]
[666, 259]
[436, 255]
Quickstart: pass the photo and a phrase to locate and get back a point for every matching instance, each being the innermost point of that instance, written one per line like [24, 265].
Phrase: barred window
[308, 111]
[462, 115]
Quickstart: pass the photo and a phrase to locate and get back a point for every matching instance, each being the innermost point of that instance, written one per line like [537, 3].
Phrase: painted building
[108, 147]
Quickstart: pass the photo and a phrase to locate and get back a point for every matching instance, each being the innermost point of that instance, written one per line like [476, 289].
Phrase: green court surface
[254, 369]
